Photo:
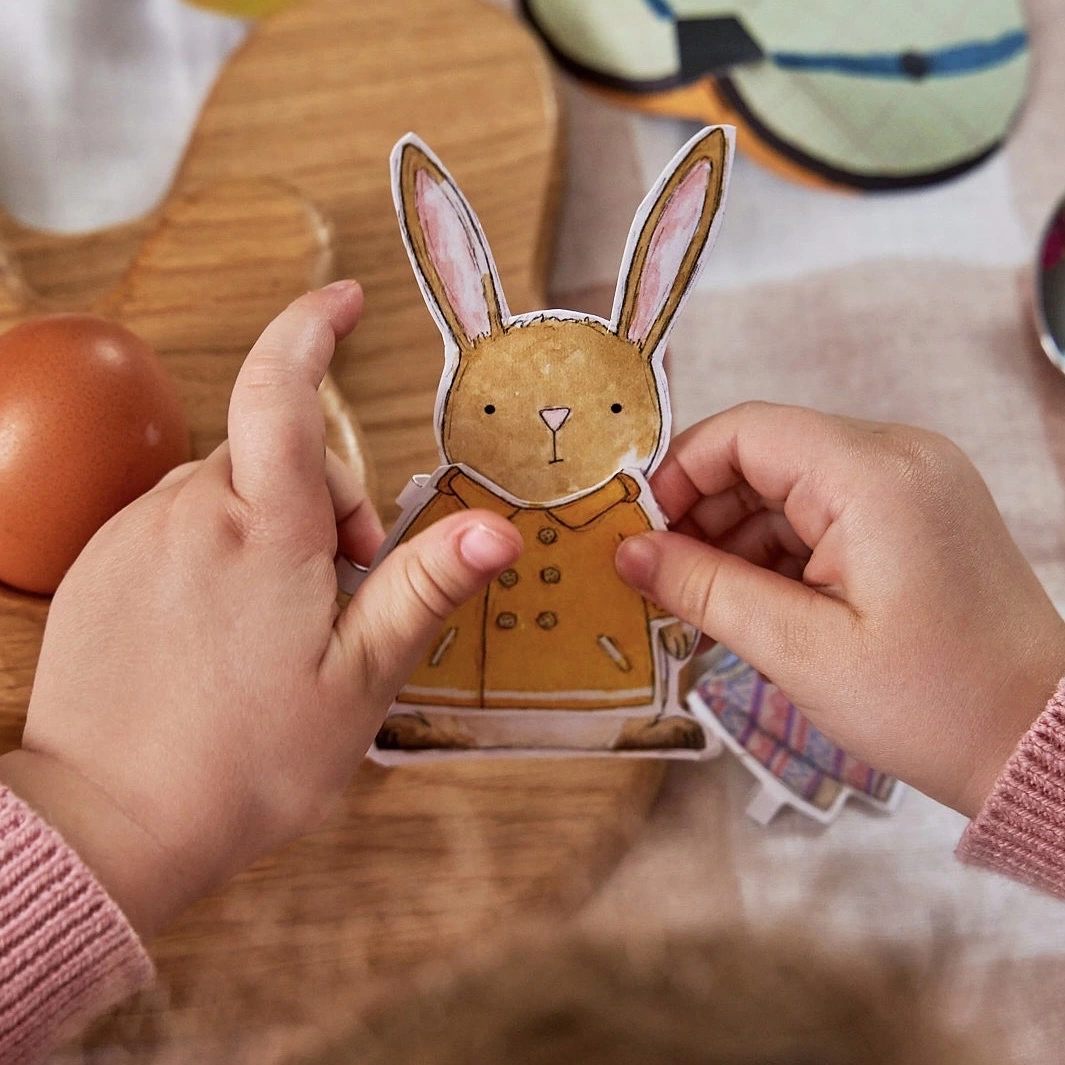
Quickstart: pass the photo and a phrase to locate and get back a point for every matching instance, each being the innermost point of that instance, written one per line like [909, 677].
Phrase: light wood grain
[285, 183]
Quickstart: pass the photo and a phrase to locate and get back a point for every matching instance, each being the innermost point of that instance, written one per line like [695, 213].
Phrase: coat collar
[574, 515]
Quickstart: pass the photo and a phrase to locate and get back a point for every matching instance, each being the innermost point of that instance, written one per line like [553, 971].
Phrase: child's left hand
[200, 698]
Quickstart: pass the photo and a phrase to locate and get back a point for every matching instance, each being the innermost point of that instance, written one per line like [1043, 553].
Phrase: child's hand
[865, 570]
[200, 700]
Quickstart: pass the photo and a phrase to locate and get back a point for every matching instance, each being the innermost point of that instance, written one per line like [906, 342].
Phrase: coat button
[547, 620]
[550, 575]
[506, 620]
[547, 535]
[508, 578]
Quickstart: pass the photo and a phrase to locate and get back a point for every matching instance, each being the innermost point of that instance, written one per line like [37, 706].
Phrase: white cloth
[97, 101]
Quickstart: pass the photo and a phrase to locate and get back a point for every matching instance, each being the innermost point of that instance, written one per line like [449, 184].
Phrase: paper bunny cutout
[554, 420]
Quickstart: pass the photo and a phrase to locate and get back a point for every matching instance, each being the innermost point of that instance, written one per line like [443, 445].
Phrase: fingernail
[485, 550]
[345, 285]
[636, 561]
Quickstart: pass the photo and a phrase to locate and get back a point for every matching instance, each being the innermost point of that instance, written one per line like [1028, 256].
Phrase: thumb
[388, 625]
[778, 625]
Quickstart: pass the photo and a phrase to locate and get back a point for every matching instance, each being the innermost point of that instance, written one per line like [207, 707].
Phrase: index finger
[276, 425]
[784, 453]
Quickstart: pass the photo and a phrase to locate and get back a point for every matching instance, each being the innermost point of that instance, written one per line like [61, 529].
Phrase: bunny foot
[413, 732]
[661, 733]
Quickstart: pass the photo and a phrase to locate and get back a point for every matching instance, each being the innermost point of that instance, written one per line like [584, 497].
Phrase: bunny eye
[490, 408]
[615, 407]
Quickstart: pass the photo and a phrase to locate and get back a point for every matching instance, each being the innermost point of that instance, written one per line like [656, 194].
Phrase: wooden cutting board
[286, 183]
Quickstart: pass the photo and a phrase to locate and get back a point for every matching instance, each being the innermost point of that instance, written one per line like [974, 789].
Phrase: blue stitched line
[661, 8]
[940, 62]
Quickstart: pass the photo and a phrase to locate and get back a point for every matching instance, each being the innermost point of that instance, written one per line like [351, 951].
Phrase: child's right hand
[866, 570]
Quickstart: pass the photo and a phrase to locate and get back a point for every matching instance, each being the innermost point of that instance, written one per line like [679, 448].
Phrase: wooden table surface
[286, 183]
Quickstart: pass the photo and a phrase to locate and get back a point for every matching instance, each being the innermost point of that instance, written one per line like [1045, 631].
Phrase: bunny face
[550, 406]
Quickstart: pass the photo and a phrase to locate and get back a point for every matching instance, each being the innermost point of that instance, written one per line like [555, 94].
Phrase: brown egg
[89, 420]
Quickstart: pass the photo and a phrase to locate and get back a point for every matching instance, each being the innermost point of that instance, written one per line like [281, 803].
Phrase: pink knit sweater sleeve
[1021, 829]
[66, 950]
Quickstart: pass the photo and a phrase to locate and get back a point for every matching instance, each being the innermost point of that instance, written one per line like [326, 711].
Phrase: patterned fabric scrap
[768, 726]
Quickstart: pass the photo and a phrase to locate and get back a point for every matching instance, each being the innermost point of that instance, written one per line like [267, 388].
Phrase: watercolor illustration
[886, 94]
[554, 420]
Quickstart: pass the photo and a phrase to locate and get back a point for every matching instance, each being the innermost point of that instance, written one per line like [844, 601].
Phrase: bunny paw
[678, 639]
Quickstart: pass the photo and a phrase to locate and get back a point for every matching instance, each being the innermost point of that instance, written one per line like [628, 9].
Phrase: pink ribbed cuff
[1021, 829]
[67, 951]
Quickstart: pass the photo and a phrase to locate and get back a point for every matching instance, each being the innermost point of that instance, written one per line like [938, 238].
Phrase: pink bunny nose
[555, 417]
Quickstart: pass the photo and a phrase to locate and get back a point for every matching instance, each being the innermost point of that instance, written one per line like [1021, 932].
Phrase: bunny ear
[446, 245]
[670, 239]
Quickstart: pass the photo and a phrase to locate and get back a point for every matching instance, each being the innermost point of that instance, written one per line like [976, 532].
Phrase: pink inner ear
[454, 252]
[671, 238]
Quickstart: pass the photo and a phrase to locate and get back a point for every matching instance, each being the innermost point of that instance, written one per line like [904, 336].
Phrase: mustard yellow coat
[560, 630]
